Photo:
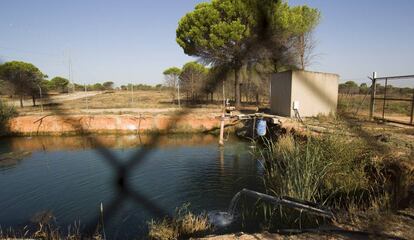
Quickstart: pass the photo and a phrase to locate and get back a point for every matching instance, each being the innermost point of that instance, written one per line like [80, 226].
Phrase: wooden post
[373, 92]
[254, 126]
[221, 141]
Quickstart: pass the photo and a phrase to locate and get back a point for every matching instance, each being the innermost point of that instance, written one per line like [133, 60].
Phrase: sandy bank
[83, 124]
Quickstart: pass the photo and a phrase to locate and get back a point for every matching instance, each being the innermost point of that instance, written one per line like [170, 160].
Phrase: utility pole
[70, 71]
[86, 97]
[41, 97]
[132, 94]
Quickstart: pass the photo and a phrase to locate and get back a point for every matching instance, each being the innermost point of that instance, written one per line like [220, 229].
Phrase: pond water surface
[70, 178]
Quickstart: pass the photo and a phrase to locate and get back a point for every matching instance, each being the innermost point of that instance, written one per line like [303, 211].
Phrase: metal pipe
[394, 77]
[289, 202]
[395, 99]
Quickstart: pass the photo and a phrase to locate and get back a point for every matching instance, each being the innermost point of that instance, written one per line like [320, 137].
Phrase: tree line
[351, 87]
[23, 79]
[196, 83]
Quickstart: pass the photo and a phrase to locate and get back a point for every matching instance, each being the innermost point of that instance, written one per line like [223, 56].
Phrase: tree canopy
[172, 71]
[234, 32]
[193, 77]
[59, 83]
[108, 85]
[172, 80]
[24, 78]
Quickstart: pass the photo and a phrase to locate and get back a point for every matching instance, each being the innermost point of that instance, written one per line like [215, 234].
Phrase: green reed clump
[328, 169]
[335, 170]
[293, 169]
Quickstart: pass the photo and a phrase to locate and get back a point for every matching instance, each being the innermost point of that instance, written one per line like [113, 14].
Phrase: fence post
[373, 92]
[385, 97]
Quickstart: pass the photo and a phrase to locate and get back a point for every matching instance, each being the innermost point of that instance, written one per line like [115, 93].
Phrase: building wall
[316, 92]
[280, 94]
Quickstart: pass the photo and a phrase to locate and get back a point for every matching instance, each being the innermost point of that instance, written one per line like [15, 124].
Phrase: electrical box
[296, 105]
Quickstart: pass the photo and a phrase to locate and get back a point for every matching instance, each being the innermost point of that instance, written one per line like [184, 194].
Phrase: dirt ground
[108, 102]
[387, 226]
[54, 98]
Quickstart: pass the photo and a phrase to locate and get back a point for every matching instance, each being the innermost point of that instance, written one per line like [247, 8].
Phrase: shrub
[6, 112]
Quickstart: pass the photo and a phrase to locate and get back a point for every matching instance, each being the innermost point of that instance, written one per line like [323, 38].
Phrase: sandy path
[56, 98]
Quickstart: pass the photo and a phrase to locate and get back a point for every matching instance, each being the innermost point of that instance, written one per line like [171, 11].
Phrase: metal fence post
[385, 99]
[373, 92]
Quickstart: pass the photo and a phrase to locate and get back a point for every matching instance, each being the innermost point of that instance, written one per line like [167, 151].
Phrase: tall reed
[319, 169]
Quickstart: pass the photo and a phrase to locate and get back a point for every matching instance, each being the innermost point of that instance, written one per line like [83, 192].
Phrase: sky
[133, 41]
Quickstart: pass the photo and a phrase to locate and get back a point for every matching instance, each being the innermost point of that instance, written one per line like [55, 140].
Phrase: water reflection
[56, 143]
[12, 159]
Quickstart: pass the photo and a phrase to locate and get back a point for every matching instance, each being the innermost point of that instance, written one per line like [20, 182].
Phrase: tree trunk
[237, 87]
[302, 49]
[34, 100]
[21, 101]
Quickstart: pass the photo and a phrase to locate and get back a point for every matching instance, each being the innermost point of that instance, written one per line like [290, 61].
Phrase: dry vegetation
[184, 225]
[391, 149]
[363, 170]
[111, 102]
[358, 104]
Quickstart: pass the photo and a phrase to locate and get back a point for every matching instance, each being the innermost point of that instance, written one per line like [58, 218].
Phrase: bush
[6, 112]
[184, 224]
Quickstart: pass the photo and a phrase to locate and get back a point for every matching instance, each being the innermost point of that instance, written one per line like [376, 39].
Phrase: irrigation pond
[70, 177]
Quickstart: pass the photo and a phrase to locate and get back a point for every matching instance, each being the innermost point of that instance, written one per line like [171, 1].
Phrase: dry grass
[125, 99]
[357, 103]
[184, 225]
[44, 227]
[112, 102]
[47, 231]
[161, 230]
